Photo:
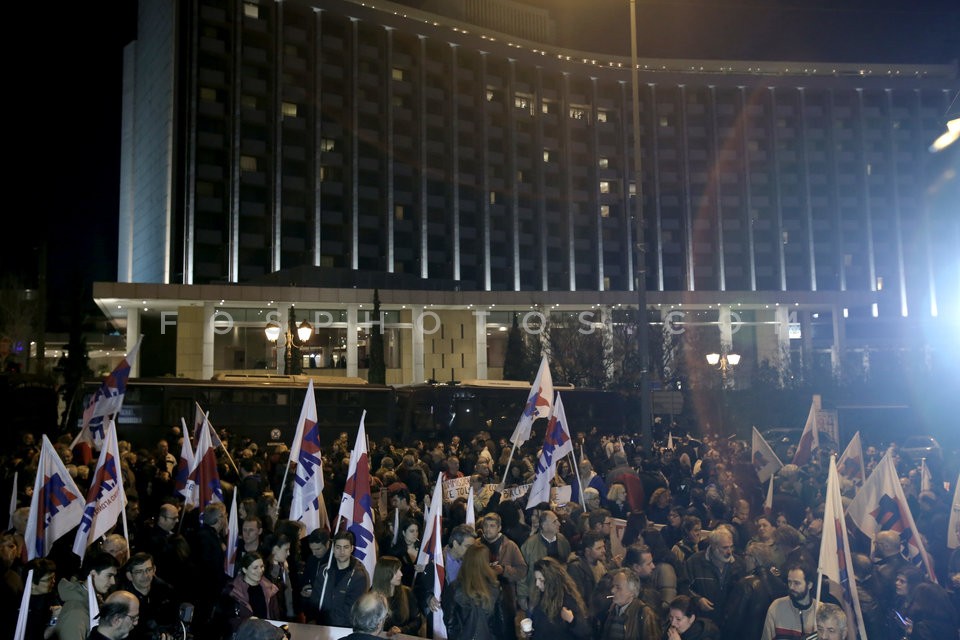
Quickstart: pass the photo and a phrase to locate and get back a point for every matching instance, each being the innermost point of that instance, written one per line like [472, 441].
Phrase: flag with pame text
[880, 505]
[810, 438]
[556, 444]
[56, 506]
[307, 504]
[850, 465]
[106, 402]
[356, 506]
[539, 403]
[765, 461]
[105, 499]
[182, 482]
[835, 560]
[204, 473]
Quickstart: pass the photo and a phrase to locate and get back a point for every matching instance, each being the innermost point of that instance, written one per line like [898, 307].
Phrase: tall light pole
[640, 255]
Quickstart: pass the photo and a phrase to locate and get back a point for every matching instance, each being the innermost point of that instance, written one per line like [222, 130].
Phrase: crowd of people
[659, 543]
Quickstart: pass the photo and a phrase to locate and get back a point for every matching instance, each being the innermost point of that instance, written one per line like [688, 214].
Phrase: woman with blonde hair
[557, 608]
[404, 617]
[474, 609]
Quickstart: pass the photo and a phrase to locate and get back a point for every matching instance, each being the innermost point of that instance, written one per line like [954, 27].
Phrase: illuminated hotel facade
[307, 152]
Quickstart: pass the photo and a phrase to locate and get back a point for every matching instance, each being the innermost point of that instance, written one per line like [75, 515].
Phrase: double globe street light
[304, 333]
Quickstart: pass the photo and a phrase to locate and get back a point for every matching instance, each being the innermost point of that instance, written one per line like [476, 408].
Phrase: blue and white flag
[307, 505]
[556, 444]
[56, 506]
[356, 506]
[105, 499]
[539, 403]
[106, 402]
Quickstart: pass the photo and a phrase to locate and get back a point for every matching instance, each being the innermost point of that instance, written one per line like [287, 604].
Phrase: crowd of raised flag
[833, 511]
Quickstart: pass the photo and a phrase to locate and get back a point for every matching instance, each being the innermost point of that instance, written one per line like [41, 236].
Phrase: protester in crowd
[506, 561]
[275, 552]
[407, 549]
[587, 568]
[119, 616]
[368, 616]
[404, 615]
[472, 604]
[628, 617]
[686, 625]
[556, 606]
[249, 594]
[712, 574]
[831, 622]
[929, 613]
[74, 620]
[548, 542]
[158, 605]
[346, 580]
[318, 544]
[44, 604]
[659, 508]
[793, 615]
[689, 544]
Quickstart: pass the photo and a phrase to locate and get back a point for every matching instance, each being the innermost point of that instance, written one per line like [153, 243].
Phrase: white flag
[439, 581]
[233, 539]
[21, 629]
[539, 403]
[810, 438]
[106, 402]
[953, 530]
[356, 505]
[105, 499]
[850, 465]
[881, 506]
[926, 480]
[92, 605]
[307, 505]
[765, 461]
[835, 560]
[471, 516]
[556, 444]
[56, 506]
[434, 509]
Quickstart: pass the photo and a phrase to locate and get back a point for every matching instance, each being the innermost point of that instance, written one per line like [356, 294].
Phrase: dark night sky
[66, 124]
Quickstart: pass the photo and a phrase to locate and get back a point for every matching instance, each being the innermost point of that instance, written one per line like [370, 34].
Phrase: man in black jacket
[712, 574]
[346, 581]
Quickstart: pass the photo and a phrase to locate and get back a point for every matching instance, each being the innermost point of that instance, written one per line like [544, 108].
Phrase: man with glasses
[162, 542]
[158, 609]
[119, 616]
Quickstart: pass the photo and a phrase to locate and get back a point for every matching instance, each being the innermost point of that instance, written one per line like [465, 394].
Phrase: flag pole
[503, 483]
[224, 447]
[283, 485]
[326, 572]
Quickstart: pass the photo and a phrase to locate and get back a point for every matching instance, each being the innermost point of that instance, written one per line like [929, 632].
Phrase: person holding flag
[556, 444]
[106, 498]
[539, 405]
[104, 404]
[344, 581]
[56, 506]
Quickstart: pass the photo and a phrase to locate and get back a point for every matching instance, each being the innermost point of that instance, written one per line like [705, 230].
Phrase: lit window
[546, 106]
[519, 176]
[327, 144]
[547, 155]
[248, 163]
[606, 283]
[786, 237]
[577, 113]
[251, 10]
[208, 95]
[664, 121]
[879, 283]
[397, 74]
[248, 102]
[604, 163]
[493, 197]
[604, 186]
[322, 174]
[869, 169]
[490, 95]
[601, 116]
[604, 211]
[633, 188]
[398, 212]
[289, 109]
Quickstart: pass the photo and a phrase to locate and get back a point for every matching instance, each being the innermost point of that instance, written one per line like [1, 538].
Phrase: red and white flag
[106, 498]
[233, 539]
[56, 506]
[439, 580]
[307, 505]
[556, 444]
[881, 506]
[926, 479]
[765, 461]
[356, 506]
[182, 482]
[471, 515]
[204, 474]
[433, 512]
[835, 560]
[953, 528]
[810, 438]
[850, 465]
[539, 403]
[105, 403]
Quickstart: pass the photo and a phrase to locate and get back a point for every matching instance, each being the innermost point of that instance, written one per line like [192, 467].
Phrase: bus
[265, 408]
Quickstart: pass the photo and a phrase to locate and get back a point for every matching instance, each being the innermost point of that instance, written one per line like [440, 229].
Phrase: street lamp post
[726, 362]
[304, 332]
[646, 432]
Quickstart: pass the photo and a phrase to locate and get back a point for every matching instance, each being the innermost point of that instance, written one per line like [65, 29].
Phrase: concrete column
[839, 340]
[782, 317]
[417, 344]
[481, 332]
[352, 340]
[726, 330]
[206, 356]
[606, 318]
[806, 338]
[133, 334]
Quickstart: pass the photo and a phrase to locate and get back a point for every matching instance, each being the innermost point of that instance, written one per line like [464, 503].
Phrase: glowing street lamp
[304, 332]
